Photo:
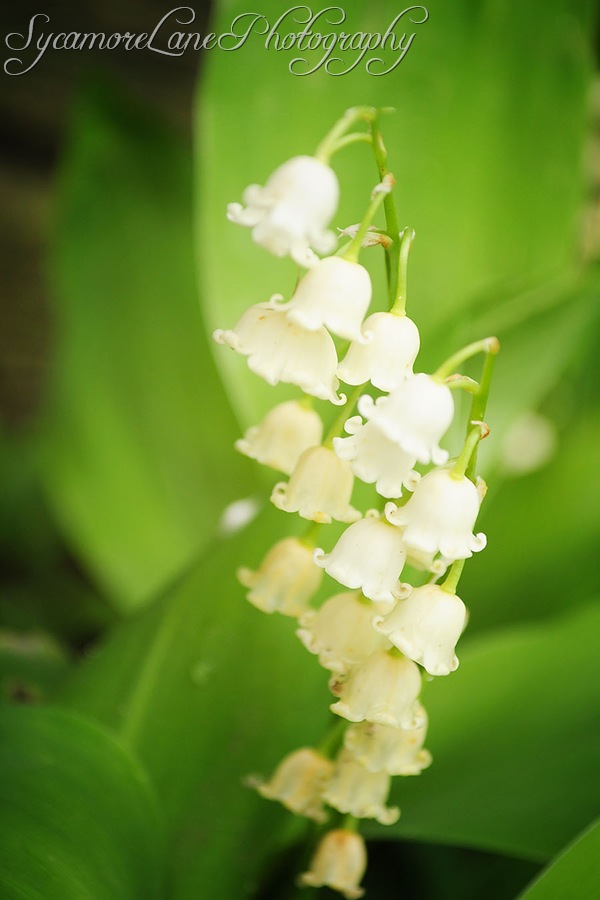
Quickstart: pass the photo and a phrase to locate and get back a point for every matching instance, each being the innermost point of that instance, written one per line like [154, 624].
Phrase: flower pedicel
[378, 638]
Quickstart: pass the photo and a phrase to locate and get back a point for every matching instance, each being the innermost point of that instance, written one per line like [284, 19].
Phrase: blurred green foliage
[133, 465]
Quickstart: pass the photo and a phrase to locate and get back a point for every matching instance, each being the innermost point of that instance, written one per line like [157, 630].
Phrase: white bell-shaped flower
[355, 790]
[335, 293]
[440, 516]
[376, 459]
[382, 748]
[319, 489]
[340, 632]
[387, 359]
[286, 579]
[339, 862]
[415, 415]
[280, 350]
[369, 556]
[383, 689]
[299, 782]
[284, 434]
[426, 627]
[290, 214]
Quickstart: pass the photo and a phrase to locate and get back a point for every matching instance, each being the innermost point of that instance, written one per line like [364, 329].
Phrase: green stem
[474, 435]
[309, 536]
[479, 403]
[391, 216]
[487, 345]
[377, 198]
[462, 382]
[451, 582]
[331, 141]
[354, 138]
[399, 304]
[332, 741]
[346, 412]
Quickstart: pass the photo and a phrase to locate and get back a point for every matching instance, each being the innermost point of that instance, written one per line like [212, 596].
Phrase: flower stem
[391, 216]
[474, 435]
[451, 582]
[338, 423]
[377, 198]
[399, 305]
[332, 741]
[335, 138]
[479, 403]
[489, 345]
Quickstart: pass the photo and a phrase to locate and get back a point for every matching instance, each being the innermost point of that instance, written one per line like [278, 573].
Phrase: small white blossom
[339, 862]
[280, 350]
[340, 632]
[355, 790]
[283, 435]
[335, 293]
[369, 555]
[289, 215]
[382, 748]
[440, 516]
[415, 415]
[383, 689]
[426, 627]
[387, 359]
[319, 489]
[286, 579]
[298, 783]
[376, 459]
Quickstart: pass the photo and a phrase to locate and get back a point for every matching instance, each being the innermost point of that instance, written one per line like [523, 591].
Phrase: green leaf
[464, 145]
[77, 820]
[206, 689]
[575, 873]
[515, 741]
[132, 459]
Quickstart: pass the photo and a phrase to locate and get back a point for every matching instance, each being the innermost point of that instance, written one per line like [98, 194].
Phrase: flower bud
[290, 213]
[286, 579]
[384, 689]
[369, 555]
[319, 489]
[383, 748]
[415, 416]
[353, 789]
[298, 783]
[426, 627]
[283, 435]
[339, 862]
[340, 632]
[387, 359]
[440, 516]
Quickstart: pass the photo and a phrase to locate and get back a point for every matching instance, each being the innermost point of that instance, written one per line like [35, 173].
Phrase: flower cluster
[379, 636]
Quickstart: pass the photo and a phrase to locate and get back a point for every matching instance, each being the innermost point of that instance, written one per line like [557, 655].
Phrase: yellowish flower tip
[483, 427]
[492, 345]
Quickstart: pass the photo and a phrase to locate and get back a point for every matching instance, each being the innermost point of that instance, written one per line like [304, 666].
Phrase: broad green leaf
[464, 145]
[575, 873]
[32, 665]
[208, 690]
[515, 741]
[77, 818]
[132, 460]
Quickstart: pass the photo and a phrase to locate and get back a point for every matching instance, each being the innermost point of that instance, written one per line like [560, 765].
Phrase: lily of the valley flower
[286, 579]
[387, 359]
[280, 350]
[415, 415]
[298, 783]
[440, 516]
[339, 862]
[382, 748]
[355, 790]
[383, 689]
[340, 632]
[335, 293]
[376, 459]
[369, 555]
[426, 627]
[283, 435]
[319, 489]
[290, 214]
